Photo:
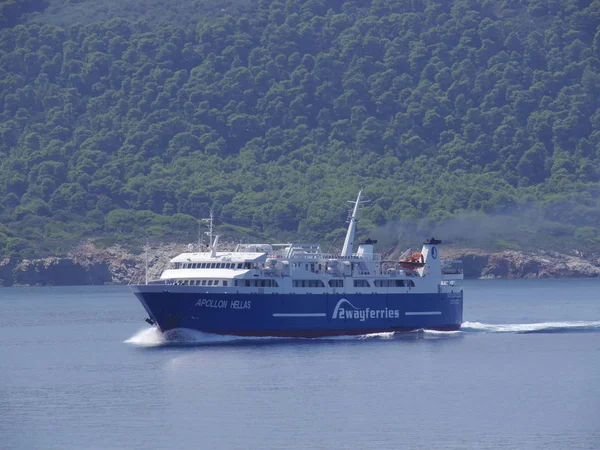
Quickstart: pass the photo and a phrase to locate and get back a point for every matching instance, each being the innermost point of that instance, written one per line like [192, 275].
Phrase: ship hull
[299, 315]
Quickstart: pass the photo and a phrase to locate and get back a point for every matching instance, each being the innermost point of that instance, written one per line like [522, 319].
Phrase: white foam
[384, 335]
[441, 333]
[150, 337]
[530, 327]
[147, 337]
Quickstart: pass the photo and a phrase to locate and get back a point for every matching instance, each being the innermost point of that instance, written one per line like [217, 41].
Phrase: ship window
[308, 283]
[336, 283]
[224, 282]
[203, 282]
[361, 283]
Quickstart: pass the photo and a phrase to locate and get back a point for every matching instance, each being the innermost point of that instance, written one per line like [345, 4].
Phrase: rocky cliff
[512, 264]
[88, 265]
[117, 265]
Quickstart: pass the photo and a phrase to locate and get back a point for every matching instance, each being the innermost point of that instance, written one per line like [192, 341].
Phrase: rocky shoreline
[87, 265]
[512, 264]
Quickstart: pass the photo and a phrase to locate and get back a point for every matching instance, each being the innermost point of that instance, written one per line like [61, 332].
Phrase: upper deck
[306, 263]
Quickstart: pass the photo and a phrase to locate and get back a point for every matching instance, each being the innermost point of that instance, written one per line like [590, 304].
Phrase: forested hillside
[453, 115]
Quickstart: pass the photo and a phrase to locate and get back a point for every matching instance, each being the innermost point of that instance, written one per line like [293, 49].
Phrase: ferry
[297, 290]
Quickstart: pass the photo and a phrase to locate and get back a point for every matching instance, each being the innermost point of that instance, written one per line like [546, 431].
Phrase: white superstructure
[304, 269]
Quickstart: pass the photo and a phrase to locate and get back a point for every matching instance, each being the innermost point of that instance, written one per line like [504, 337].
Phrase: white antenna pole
[349, 241]
[210, 229]
[213, 249]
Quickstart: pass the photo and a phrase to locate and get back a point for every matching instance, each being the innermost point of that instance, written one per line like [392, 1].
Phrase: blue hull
[299, 315]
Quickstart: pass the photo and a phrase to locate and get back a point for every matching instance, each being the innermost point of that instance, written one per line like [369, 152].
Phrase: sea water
[79, 369]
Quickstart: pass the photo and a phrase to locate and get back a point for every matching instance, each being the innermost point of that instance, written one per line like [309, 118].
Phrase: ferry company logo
[434, 252]
[346, 310]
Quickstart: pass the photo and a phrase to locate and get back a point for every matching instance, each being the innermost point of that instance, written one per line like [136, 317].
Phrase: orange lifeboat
[415, 261]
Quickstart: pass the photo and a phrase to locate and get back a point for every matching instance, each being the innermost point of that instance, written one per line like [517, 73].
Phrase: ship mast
[210, 227]
[212, 245]
[349, 241]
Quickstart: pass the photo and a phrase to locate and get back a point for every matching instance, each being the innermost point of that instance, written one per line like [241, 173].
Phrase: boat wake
[152, 337]
[542, 327]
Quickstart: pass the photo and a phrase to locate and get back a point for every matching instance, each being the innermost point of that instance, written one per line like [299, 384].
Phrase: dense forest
[478, 120]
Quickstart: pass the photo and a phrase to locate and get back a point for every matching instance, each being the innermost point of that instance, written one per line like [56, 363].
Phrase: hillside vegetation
[448, 113]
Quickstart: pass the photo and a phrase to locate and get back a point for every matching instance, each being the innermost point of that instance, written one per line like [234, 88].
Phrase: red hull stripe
[325, 333]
